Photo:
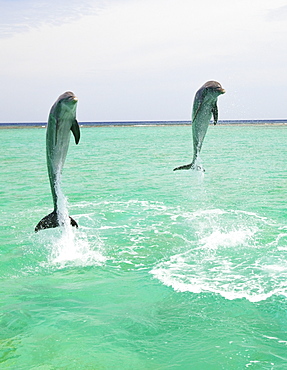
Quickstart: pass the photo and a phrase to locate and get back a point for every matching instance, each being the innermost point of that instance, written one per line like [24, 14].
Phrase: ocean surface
[168, 270]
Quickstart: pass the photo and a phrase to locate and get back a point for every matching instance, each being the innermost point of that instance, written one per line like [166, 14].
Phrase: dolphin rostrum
[204, 106]
[62, 120]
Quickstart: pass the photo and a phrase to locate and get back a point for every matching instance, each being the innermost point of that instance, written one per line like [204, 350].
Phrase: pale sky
[133, 60]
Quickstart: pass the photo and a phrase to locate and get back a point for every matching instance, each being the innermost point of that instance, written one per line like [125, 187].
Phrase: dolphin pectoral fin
[76, 131]
[185, 167]
[48, 222]
[51, 221]
[215, 113]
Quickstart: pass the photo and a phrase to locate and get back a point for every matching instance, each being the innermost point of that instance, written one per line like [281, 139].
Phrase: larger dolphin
[204, 106]
[62, 120]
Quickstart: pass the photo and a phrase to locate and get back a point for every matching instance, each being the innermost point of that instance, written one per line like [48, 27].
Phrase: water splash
[233, 253]
[198, 165]
[72, 247]
[230, 256]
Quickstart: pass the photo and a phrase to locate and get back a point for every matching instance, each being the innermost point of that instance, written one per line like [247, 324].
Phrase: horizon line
[171, 122]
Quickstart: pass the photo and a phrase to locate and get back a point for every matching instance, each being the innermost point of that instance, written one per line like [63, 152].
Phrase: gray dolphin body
[62, 120]
[204, 106]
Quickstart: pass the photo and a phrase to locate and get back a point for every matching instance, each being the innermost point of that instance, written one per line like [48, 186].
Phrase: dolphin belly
[56, 156]
[199, 129]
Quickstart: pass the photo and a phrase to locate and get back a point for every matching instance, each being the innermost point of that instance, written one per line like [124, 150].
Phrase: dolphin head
[68, 98]
[67, 102]
[213, 87]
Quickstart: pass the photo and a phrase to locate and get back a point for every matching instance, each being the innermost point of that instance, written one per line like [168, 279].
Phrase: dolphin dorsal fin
[76, 131]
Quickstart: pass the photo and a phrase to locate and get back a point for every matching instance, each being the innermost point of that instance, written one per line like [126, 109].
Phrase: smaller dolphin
[61, 121]
[204, 106]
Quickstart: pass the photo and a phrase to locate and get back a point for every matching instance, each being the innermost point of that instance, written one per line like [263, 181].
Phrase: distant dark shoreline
[146, 123]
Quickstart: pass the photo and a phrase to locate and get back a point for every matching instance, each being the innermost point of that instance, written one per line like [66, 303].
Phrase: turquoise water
[168, 270]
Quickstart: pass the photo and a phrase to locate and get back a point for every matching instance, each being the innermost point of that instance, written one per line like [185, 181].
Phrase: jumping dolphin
[204, 106]
[62, 120]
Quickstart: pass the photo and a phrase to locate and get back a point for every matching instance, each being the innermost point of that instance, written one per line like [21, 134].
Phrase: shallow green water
[168, 270]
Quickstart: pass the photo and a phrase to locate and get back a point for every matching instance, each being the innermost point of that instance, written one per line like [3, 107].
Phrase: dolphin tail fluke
[51, 221]
[185, 167]
[191, 166]
[48, 222]
[73, 222]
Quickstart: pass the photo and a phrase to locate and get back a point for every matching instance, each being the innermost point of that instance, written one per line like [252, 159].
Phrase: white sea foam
[228, 284]
[211, 250]
[228, 239]
[227, 257]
